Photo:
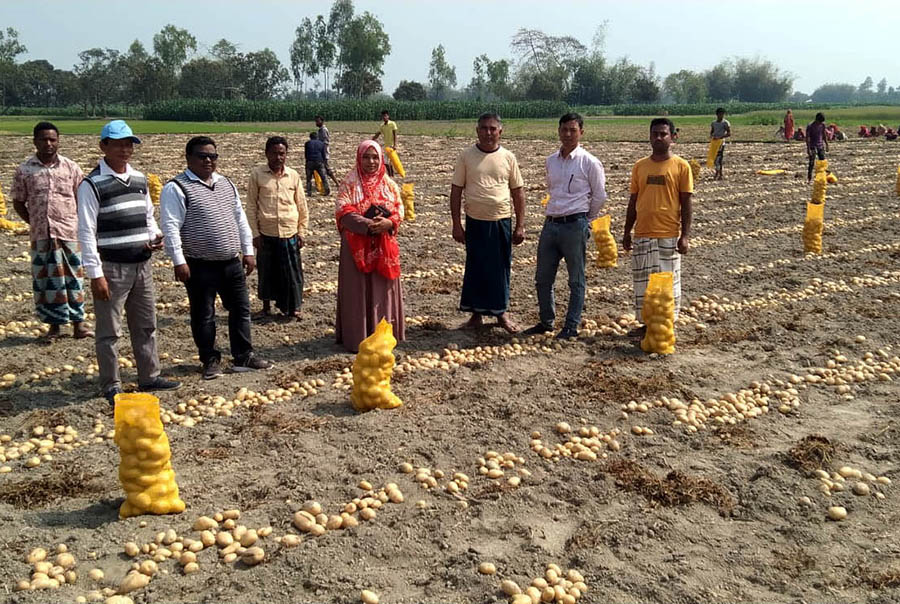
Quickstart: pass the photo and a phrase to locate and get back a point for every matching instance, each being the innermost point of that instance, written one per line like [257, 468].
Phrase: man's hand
[683, 245]
[299, 242]
[380, 225]
[626, 242]
[518, 235]
[459, 233]
[154, 245]
[100, 288]
[257, 242]
[182, 273]
[249, 263]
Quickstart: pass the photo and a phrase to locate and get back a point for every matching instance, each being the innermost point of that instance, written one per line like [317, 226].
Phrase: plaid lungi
[57, 281]
[654, 255]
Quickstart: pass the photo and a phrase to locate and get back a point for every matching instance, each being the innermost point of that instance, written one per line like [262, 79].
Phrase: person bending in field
[720, 128]
[490, 177]
[314, 154]
[816, 143]
[388, 131]
[659, 210]
[324, 135]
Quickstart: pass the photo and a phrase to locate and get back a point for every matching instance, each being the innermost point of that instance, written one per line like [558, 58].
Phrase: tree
[686, 86]
[798, 97]
[478, 84]
[441, 75]
[204, 78]
[224, 50]
[363, 47]
[882, 86]
[325, 48]
[172, 46]
[498, 79]
[10, 47]
[645, 86]
[409, 91]
[260, 75]
[303, 53]
[589, 83]
[866, 87]
[834, 93]
[148, 79]
[96, 78]
[338, 19]
[551, 57]
[760, 81]
[720, 82]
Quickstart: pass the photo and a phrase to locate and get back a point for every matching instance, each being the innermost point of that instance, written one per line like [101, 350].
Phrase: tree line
[342, 55]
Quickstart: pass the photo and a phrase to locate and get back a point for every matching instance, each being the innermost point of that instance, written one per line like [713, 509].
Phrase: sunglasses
[209, 156]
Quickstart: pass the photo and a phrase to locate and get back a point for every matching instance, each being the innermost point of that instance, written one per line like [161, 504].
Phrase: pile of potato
[851, 479]
[47, 572]
[312, 520]
[495, 466]
[554, 586]
[588, 444]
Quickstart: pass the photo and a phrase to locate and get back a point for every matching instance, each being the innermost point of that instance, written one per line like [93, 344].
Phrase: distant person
[816, 143]
[324, 135]
[799, 135]
[779, 134]
[44, 194]
[388, 132]
[314, 154]
[367, 210]
[278, 218]
[720, 129]
[659, 210]
[890, 135]
[576, 183]
[788, 125]
[211, 246]
[863, 132]
[880, 130]
[118, 234]
[489, 176]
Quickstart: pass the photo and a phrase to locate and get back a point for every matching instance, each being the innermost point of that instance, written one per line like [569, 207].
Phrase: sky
[816, 41]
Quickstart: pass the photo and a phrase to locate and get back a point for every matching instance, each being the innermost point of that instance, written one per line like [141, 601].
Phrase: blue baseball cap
[118, 129]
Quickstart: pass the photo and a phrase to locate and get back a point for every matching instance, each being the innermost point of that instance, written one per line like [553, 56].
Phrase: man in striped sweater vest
[118, 233]
[210, 243]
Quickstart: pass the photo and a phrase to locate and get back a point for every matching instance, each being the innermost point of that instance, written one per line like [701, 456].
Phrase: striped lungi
[654, 255]
[57, 281]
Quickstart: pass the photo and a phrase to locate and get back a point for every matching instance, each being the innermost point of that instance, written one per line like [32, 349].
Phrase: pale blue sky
[693, 34]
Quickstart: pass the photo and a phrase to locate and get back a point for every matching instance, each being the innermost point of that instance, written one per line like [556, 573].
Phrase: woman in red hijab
[788, 125]
[368, 208]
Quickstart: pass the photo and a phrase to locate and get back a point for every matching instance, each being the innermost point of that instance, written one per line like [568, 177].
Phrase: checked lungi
[485, 289]
[57, 281]
[654, 255]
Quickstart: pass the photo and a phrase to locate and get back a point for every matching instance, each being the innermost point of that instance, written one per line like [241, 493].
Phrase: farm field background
[708, 509]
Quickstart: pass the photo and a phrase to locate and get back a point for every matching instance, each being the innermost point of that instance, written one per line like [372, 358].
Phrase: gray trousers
[131, 288]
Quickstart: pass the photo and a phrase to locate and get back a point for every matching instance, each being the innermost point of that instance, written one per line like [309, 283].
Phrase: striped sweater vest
[122, 232]
[209, 231]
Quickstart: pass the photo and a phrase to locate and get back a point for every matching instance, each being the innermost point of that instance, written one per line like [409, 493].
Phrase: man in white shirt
[117, 234]
[577, 186]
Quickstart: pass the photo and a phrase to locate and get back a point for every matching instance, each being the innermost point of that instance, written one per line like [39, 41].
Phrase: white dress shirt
[88, 208]
[576, 184]
[172, 211]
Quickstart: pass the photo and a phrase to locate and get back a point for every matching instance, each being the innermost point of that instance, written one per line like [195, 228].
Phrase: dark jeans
[813, 153]
[562, 241]
[320, 168]
[225, 278]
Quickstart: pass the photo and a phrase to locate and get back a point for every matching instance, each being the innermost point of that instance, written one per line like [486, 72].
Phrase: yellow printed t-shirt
[487, 179]
[387, 132]
[657, 185]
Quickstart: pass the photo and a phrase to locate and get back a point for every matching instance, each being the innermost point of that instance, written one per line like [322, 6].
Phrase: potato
[534, 593]
[148, 567]
[231, 514]
[95, 574]
[186, 558]
[313, 507]
[510, 588]
[290, 541]
[132, 549]
[303, 522]
[205, 523]
[224, 539]
[333, 522]
[38, 554]
[191, 567]
[861, 488]
[118, 600]
[837, 512]
[368, 597]
[65, 560]
[249, 538]
[486, 568]
[253, 556]
[133, 581]
[521, 599]
[207, 538]
[229, 558]
[365, 485]
[367, 514]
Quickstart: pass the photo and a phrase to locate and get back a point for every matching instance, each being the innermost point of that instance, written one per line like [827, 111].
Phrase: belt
[569, 218]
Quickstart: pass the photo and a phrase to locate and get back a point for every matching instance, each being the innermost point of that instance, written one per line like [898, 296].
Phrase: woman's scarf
[358, 192]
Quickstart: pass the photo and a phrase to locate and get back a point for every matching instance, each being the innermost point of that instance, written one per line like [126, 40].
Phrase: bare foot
[52, 333]
[474, 322]
[80, 331]
[506, 323]
[262, 315]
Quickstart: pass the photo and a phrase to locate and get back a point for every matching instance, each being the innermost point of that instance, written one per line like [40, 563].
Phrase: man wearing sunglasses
[210, 243]
[577, 186]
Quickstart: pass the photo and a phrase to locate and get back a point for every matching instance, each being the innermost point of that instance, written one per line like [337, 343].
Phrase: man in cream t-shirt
[490, 177]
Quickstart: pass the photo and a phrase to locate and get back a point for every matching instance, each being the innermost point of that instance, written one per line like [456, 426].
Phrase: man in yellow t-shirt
[388, 131]
[490, 177]
[659, 210]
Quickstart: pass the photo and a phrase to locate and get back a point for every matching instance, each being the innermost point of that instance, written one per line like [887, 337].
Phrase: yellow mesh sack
[408, 195]
[372, 371]
[714, 145]
[545, 200]
[154, 185]
[813, 227]
[395, 161]
[695, 169]
[145, 468]
[659, 314]
[320, 186]
[607, 251]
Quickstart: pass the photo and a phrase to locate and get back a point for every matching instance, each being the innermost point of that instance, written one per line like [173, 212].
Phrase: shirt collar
[105, 169]
[573, 155]
[36, 161]
[215, 175]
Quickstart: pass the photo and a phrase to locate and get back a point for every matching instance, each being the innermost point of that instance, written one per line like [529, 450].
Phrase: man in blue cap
[118, 234]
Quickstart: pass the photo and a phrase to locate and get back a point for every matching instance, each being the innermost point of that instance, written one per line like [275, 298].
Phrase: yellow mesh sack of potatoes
[408, 195]
[320, 186]
[607, 252]
[154, 184]
[695, 169]
[659, 314]
[714, 145]
[372, 371]
[813, 227]
[395, 161]
[820, 181]
[145, 468]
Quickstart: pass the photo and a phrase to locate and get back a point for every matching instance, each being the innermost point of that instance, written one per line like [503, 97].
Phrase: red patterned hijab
[357, 193]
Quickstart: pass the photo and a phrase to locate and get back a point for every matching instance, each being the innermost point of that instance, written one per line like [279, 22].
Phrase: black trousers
[225, 278]
[320, 168]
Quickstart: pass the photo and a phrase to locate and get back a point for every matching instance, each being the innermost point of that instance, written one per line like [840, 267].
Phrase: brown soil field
[786, 364]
